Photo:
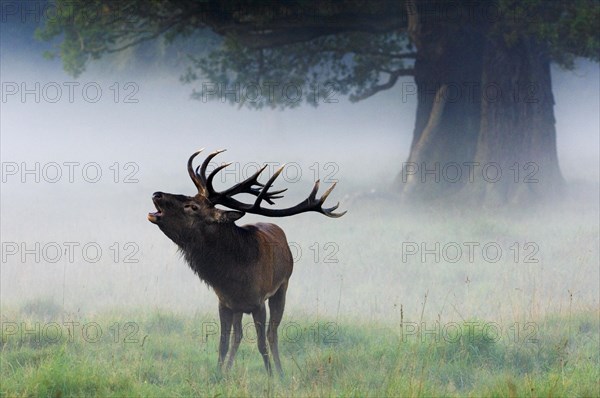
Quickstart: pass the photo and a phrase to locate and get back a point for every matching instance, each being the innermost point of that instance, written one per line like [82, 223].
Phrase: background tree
[481, 71]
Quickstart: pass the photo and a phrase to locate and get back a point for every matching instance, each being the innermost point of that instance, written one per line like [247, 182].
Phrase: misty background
[347, 267]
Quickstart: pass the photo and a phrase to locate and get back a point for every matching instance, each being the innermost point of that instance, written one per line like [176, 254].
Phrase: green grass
[166, 354]
[351, 326]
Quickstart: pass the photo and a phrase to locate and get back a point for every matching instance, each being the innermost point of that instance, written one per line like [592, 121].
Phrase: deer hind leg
[260, 318]
[276, 307]
[226, 317]
[237, 337]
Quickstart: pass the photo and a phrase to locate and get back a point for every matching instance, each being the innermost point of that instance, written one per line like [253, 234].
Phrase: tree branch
[414, 25]
[410, 55]
[290, 31]
[394, 75]
[160, 31]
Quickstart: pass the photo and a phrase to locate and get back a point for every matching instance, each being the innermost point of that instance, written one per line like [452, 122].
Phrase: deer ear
[231, 216]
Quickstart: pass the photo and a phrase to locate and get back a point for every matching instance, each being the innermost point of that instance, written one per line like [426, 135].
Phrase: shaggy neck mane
[216, 256]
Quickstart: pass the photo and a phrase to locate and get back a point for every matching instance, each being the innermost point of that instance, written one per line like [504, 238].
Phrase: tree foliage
[567, 29]
[354, 47]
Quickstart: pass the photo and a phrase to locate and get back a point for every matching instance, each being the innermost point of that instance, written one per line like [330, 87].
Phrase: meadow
[366, 315]
[166, 354]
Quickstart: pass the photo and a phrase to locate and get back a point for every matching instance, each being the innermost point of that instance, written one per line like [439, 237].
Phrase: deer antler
[261, 191]
[194, 175]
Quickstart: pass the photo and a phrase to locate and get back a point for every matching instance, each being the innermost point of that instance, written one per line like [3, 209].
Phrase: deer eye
[193, 207]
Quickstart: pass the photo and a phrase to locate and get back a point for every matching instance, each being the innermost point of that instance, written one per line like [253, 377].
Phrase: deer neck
[220, 253]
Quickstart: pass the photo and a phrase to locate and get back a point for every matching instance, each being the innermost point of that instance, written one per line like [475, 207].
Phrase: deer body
[246, 269]
[246, 265]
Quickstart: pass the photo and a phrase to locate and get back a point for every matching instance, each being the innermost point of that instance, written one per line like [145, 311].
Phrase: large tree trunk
[448, 72]
[492, 143]
[517, 136]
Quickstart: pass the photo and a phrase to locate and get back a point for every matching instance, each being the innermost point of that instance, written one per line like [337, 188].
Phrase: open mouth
[154, 217]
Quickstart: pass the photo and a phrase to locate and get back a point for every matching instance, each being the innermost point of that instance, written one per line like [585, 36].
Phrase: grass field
[166, 354]
[363, 318]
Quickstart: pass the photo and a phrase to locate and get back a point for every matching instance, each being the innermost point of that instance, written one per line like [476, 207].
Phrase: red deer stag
[244, 265]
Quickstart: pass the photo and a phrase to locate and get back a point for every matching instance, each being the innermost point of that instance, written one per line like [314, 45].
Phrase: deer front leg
[226, 317]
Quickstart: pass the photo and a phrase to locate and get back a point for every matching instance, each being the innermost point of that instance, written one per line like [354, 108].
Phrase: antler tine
[314, 191]
[194, 176]
[246, 185]
[329, 211]
[326, 194]
[202, 173]
[214, 173]
[264, 192]
[274, 195]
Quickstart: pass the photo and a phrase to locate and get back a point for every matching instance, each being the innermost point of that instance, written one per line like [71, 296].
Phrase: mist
[424, 287]
[78, 174]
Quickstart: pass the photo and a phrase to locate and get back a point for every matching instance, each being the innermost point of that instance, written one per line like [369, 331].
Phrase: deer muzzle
[155, 216]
